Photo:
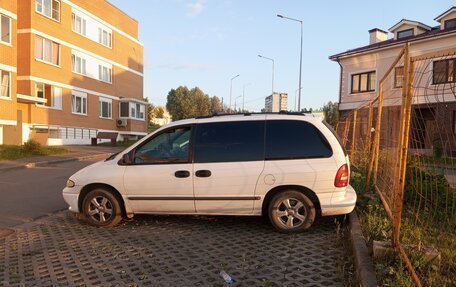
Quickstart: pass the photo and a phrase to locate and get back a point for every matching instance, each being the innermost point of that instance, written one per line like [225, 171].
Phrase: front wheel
[101, 208]
[291, 211]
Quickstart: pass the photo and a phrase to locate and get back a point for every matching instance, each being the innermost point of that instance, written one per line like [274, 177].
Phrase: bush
[32, 146]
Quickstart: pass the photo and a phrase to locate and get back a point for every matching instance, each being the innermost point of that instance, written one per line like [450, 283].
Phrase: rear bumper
[71, 197]
[341, 205]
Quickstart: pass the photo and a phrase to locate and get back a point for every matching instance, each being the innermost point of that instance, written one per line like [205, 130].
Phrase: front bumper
[341, 205]
[71, 197]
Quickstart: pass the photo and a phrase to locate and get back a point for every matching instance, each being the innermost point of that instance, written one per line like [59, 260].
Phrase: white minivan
[288, 166]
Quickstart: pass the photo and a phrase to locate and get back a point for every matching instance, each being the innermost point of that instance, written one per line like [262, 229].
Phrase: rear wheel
[291, 211]
[101, 208]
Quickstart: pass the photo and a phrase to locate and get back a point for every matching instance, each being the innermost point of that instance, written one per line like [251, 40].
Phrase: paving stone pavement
[60, 250]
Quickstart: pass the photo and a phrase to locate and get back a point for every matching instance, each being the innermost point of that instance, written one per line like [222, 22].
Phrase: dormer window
[449, 24]
[405, 33]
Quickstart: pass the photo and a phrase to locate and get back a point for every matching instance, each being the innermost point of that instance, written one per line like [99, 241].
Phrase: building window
[105, 108]
[444, 71]
[104, 74]
[48, 8]
[79, 24]
[79, 103]
[405, 33]
[450, 24]
[363, 82]
[398, 77]
[79, 65]
[56, 98]
[104, 37]
[5, 84]
[47, 50]
[5, 29]
[52, 94]
[132, 110]
[124, 110]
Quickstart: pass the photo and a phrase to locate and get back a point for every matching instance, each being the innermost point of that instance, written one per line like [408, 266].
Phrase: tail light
[342, 176]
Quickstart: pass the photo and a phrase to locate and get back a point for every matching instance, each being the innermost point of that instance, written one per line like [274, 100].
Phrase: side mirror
[126, 159]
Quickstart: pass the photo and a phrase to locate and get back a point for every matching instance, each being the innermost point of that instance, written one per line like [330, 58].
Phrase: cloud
[196, 8]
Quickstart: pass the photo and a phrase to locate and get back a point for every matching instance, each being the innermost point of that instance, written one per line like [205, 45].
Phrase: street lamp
[231, 89]
[272, 60]
[243, 94]
[235, 102]
[300, 58]
[295, 98]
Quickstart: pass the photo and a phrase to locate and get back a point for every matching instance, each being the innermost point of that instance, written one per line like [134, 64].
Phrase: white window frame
[104, 70]
[83, 63]
[52, 103]
[133, 110]
[36, 90]
[41, 2]
[100, 108]
[83, 97]
[9, 84]
[83, 27]
[44, 50]
[101, 39]
[10, 30]
[53, 98]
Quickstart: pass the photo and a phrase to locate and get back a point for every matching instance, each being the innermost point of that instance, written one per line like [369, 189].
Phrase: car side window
[291, 139]
[170, 146]
[229, 142]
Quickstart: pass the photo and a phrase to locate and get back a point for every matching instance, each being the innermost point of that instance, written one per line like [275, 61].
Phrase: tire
[291, 212]
[101, 208]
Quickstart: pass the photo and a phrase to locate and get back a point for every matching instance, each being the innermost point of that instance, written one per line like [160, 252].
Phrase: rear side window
[229, 142]
[287, 139]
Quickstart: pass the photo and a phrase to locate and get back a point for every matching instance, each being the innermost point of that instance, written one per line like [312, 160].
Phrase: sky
[205, 43]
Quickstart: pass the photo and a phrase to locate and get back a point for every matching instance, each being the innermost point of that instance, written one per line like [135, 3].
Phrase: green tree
[183, 103]
[331, 112]
[216, 105]
[179, 103]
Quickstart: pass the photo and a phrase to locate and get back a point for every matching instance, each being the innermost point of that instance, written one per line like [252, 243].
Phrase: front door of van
[228, 160]
[160, 180]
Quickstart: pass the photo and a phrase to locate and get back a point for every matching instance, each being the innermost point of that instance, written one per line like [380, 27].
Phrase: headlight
[70, 183]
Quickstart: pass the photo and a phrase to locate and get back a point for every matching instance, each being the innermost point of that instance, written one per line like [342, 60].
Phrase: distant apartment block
[276, 102]
[363, 67]
[79, 72]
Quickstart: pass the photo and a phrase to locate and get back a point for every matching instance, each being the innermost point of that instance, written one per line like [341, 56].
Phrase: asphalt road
[26, 194]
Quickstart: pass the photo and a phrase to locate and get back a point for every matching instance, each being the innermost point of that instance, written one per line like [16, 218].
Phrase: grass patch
[391, 271]
[30, 149]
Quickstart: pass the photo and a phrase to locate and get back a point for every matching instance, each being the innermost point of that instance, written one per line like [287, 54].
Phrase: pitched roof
[434, 32]
[409, 22]
[438, 18]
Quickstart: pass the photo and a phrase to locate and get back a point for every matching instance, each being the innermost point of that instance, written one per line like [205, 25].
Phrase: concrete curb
[56, 161]
[365, 271]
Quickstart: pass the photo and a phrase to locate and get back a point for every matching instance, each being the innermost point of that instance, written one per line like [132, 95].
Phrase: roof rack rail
[255, 113]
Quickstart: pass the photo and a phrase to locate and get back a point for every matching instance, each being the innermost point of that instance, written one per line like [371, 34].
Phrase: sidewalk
[76, 153]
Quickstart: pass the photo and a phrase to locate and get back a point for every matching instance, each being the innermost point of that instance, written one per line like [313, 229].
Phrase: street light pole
[300, 58]
[243, 94]
[231, 90]
[272, 60]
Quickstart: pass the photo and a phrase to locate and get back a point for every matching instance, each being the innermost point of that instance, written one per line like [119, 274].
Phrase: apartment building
[79, 71]
[362, 68]
[8, 69]
[276, 102]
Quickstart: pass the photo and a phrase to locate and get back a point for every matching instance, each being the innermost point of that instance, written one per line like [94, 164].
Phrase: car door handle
[182, 173]
[203, 173]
